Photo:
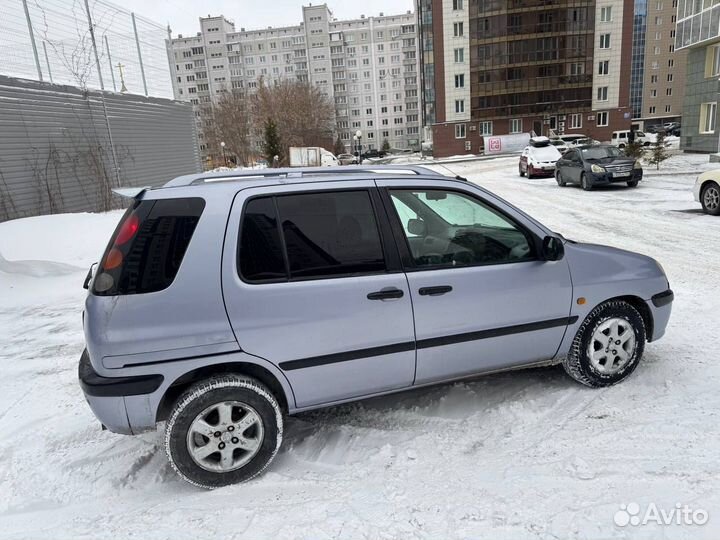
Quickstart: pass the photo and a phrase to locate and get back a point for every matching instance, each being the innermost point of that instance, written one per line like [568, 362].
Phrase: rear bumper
[106, 396]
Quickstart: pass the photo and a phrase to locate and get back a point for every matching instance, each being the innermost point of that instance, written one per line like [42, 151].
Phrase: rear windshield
[148, 246]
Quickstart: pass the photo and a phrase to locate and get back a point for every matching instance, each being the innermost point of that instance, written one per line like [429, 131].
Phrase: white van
[621, 138]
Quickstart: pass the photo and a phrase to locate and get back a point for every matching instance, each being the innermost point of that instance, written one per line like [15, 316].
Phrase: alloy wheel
[612, 346]
[225, 436]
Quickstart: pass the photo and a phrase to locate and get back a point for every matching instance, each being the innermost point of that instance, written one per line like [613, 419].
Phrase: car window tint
[454, 229]
[260, 255]
[333, 233]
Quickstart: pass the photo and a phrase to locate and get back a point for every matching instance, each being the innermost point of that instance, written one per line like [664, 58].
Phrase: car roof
[279, 176]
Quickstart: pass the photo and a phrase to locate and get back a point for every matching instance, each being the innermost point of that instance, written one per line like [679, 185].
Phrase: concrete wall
[698, 90]
[56, 153]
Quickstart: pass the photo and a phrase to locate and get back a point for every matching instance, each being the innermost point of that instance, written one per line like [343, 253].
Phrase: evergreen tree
[271, 142]
[339, 147]
[634, 150]
[385, 146]
[659, 152]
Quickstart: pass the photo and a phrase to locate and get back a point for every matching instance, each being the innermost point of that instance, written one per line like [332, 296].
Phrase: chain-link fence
[84, 43]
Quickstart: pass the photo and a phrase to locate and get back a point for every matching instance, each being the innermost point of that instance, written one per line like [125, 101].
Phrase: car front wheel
[223, 430]
[520, 171]
[608, 345]
[559, 179]
[710, 199]
[585, 183]
[633, 183]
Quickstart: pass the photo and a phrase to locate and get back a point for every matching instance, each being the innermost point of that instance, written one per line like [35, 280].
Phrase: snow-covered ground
[528, 454]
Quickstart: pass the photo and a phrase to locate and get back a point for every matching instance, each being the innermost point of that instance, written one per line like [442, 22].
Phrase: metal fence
[62, 149]
[85, 43]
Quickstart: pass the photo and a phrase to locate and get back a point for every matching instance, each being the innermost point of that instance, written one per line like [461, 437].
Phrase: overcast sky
[183, 14]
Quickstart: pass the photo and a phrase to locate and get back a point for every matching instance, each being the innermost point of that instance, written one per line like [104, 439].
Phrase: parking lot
[527, 454]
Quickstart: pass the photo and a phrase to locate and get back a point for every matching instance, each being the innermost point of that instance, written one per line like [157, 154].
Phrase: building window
[670, 77]
[485, 128]
[458, 29]
[577, 68]
[575, 121]
[459, 105]
[459, 56]
[606, 14]
[653, 79]
[651, 110]
[459, 131]
[658, 20]
[460, 81]
[604, 41]
[667, 108]
[602, 119]
[712, 61]
[708, 112]
[602, 93]
[668, 91]
[604, 67]
[457, 5]
[516, 125]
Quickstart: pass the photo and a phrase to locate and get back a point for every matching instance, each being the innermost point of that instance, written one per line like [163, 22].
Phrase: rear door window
[310, 235]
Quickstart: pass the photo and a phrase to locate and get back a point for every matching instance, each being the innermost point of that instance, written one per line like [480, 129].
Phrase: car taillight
[127, 230]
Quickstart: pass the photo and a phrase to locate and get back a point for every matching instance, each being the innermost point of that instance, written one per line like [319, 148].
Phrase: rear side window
[312, 235]
[148, 247]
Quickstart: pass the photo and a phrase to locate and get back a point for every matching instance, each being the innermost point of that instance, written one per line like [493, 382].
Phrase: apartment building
[367, 66]
[505, 66]
[698, 35]
[663, 74]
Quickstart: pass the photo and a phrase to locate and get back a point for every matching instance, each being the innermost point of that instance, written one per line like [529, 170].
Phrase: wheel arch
[283, 393]
[641, 306]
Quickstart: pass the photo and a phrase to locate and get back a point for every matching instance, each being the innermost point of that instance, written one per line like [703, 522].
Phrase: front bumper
[660, 306]
[106, 396]
[599, 179]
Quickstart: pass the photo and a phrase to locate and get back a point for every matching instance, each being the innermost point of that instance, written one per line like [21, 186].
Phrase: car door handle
[435, 291]
[385, 294]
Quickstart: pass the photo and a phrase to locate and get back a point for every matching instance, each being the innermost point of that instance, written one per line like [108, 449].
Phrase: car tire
[621, 145]
[242, 449]
[584, 183]
[633, 183]
[530, 171]
[710, 199]
[520, 171]
[559, 179]
[587, 362]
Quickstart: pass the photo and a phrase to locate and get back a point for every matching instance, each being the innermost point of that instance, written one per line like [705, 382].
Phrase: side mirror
[417, 227]
[552, 248]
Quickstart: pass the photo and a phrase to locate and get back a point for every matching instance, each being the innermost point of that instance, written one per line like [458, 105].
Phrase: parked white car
[539, 158]
[622, 137]
[707, 192]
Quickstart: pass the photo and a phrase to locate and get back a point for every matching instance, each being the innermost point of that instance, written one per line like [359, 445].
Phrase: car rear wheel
[633, 183]
[608, 345]
[585, 183]
[710, 199]
[559, 179]
[223, 430]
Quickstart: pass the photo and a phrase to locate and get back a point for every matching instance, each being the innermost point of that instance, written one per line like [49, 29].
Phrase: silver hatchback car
[226, 301]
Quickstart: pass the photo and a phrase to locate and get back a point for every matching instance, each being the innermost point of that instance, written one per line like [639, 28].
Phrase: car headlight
[597, 169]
[637, 165]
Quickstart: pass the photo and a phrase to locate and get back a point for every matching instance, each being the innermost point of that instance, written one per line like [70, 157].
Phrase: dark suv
[598, 165]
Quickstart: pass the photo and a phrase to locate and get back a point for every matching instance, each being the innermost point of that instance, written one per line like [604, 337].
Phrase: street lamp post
[222, 146]
[358, 138]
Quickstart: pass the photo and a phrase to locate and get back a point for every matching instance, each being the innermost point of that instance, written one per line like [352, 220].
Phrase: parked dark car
[373, 153]
[598, 165]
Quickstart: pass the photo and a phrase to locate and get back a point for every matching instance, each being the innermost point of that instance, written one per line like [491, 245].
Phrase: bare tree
[304, 115]
[230, 121]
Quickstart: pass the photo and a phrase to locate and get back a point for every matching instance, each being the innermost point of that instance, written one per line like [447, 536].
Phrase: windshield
[601, 152]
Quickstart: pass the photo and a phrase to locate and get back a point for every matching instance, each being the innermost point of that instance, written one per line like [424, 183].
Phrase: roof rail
[299, 172]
